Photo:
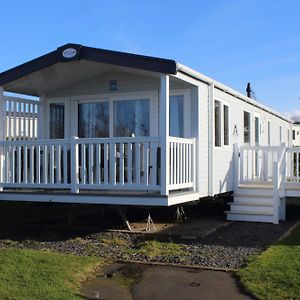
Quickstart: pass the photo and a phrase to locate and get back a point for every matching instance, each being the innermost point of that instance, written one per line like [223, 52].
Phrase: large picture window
[132, 118]
[247, 127]
[176, 116]
[93, 120]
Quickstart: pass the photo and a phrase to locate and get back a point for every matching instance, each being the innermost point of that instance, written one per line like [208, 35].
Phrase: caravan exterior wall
[265, 129]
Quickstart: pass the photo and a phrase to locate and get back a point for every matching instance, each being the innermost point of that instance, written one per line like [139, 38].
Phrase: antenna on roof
[250, 92]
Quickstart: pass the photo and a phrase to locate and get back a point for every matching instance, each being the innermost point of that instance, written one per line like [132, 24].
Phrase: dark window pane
[57, 121]
[246, 127]
[176, 116]
[93, 120]
[131, 118]
[226, 126]
[217, 124]
[256, 131]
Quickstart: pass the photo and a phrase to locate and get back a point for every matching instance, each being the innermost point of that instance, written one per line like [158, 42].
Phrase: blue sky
[232, 41]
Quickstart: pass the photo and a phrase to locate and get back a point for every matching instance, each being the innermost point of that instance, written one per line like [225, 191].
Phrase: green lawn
[275, 274]
[29, 274]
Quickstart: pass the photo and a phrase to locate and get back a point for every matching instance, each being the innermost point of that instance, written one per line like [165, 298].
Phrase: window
[221, 124]
[288, 137]
[269, 133]
[57, 121]
[132, 118]
[217, 123]
[226, 125]
[247, 133]
[280, 134]
[176, 116]
[256, 129]
[93, 120]
[294, 134]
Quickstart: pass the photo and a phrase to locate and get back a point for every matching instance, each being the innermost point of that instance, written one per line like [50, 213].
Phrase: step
[249, 216]
[254, 199]
[254, 185]
[265, 209]
[254, 191]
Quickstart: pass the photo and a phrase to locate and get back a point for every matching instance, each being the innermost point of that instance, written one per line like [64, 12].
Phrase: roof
[51, 70]
[76, 52]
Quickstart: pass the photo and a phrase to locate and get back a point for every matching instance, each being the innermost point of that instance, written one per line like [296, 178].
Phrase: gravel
[228, 247]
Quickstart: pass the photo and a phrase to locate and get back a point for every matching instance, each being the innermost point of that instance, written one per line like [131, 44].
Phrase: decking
[264, 177]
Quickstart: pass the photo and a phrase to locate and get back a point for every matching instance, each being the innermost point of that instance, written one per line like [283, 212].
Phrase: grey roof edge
[148, 63]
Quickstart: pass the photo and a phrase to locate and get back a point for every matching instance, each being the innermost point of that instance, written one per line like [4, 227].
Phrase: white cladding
[197, 115]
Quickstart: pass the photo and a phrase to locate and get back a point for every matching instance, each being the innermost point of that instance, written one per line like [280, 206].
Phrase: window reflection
[176, 116]
[93, 120]
[131, 118]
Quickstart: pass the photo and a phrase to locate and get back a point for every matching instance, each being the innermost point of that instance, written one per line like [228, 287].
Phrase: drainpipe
[211, 135]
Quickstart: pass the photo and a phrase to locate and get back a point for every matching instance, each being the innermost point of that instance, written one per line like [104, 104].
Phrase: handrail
[80, 141]
[260, 148]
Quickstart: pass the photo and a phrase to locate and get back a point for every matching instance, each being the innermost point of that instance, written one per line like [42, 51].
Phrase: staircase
[259, 184]
[255, 203]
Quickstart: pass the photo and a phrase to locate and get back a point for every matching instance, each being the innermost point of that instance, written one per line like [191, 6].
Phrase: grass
[114, 241]
[154, 248]
[275, 274]
[30, 274]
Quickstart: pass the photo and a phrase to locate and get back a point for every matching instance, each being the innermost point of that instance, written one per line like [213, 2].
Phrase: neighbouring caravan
[109, 127]
[296, 134]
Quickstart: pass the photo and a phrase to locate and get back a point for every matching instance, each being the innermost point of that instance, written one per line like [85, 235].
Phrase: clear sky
[233, 41]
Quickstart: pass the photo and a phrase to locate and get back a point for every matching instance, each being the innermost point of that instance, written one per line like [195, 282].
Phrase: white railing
[20, 121]
[293, 164]
[112, 163]
[182, 163]
[256, 163]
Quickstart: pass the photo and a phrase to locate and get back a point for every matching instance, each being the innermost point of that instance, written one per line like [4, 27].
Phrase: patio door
[93, 119]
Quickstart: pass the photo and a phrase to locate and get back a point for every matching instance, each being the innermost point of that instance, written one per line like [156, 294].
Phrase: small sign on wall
[113, 85]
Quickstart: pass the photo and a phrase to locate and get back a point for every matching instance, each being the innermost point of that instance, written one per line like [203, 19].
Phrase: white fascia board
[186, 70]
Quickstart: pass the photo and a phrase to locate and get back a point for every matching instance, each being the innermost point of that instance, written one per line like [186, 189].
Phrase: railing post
[275, 192]
[236, 167]
[74, 165]
[164, 133]
[194, 164]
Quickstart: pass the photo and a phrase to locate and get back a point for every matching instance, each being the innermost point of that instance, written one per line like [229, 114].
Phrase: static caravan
[296, 134]
[107, 127]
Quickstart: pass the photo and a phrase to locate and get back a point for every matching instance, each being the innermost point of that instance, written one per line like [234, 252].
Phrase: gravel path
[228, 247]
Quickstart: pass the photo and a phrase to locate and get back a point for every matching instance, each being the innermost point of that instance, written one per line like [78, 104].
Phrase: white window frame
[256, 115]
[221, 125]
[224, 103]
[66, 102]
[250, 128]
